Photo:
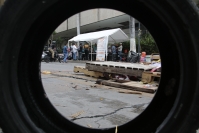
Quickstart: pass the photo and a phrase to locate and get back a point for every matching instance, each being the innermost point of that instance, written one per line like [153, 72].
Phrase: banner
[101, 48]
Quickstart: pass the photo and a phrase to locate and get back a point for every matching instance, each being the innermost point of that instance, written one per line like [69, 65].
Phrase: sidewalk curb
[77, 61]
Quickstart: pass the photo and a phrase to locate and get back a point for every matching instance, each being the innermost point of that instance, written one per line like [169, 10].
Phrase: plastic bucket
[143, 54]
[148, 58]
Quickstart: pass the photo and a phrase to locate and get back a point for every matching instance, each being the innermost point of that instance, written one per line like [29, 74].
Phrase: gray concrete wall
[62, 27]
[89, 16]
[108, 13]
[72, 22]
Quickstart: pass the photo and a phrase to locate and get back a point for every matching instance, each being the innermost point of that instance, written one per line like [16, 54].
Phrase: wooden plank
[155, 56]
[131, 69]
[120, 81]
[93, 74]
[129, 92]
[132, 85]
[79, 69]
[148, 77]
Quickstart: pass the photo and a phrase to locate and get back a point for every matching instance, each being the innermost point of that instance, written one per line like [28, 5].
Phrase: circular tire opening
[83, 91]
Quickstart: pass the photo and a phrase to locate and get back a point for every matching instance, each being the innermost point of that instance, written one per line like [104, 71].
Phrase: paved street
[86, 103]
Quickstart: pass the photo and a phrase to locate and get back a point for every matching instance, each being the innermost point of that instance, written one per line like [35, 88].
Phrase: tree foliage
[59, 44]
[148, 44]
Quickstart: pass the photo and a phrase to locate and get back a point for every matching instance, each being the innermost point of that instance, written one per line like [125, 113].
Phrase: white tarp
[101, 49]
[114, 35]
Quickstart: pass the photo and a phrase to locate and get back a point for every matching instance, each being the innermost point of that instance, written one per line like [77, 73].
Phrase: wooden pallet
[82, 69]
[148, 77]
[79, 69]
[131, 69]
[93, 74]
[131, 85]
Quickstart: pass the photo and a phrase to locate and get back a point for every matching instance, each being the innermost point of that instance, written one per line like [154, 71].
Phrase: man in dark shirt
[86, 48]
[80, 51]
[113, 49]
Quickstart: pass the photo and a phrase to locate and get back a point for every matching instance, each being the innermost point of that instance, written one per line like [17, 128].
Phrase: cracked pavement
[102, 106]
[79, 101]
[137, 107]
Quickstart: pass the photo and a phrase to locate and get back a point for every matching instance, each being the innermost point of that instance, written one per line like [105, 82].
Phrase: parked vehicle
[48, 57]
[61, 56]
[43, 55]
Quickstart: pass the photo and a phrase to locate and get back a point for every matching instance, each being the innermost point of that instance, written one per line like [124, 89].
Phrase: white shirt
[74, 48]
[120, 48]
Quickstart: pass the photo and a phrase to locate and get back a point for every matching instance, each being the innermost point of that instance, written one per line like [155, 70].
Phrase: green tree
[59, 42]
[148, 44]
[126, 45]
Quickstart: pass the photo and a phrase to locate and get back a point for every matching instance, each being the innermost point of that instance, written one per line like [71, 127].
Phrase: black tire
[59, 59]
[23, 106]
[46, 59]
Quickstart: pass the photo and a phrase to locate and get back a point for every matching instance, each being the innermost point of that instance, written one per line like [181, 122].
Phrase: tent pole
[106, 47]
[91, 50]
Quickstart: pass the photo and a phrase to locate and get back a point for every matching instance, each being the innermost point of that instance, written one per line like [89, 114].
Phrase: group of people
[76, 51]
[86, 49]
[114, 51]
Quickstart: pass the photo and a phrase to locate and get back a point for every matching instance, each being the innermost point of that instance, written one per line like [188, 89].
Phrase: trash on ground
[45, 72]
[77, 114]
[89, 126]
[74, 86]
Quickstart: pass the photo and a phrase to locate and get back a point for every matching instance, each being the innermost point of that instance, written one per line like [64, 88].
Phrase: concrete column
[78, 26]
[98, 14]
[78, 23]
[67, 24]
[132, 34]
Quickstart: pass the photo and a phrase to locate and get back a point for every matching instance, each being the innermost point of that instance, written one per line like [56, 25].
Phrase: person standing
[120, 51]
[113, 49]
[95, 51]
[51, 47]
[74, 51]
[86, 48]
[71, 51]
[65, 52]
[80, 51]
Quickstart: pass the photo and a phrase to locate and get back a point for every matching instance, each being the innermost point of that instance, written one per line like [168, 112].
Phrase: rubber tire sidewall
[178, 20]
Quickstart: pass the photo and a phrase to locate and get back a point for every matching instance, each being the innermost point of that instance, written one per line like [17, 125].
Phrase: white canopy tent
[113, 36]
